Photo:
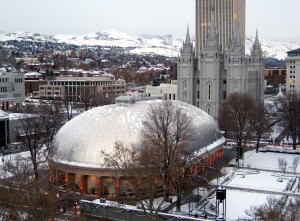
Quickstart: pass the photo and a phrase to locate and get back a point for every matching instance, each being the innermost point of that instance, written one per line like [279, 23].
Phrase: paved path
[266, 170]
[261, 191]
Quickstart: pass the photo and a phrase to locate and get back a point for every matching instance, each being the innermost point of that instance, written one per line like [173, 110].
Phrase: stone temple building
[205, 78]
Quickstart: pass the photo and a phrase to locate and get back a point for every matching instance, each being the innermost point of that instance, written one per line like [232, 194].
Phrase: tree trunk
[178, 203]
[257, 145]
[35, 170]
[294, 144]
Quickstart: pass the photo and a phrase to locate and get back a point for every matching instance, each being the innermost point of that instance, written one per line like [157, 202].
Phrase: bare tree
[282, 164]
[23, 196]
[84, 100]
[262, 125]
[291, 108]
[240, 109]
[224, 121]
[166, 132]
[101, 99]
[185, 174]
[140, 171]
[68, 107]
[162, 163]
[274, 209]
[295, 164]
[36, 129]
[269, 211]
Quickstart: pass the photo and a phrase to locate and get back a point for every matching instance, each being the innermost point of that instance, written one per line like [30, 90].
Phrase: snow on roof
[82, 139]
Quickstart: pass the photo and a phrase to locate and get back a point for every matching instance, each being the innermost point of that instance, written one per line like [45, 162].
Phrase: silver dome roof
[80, 141]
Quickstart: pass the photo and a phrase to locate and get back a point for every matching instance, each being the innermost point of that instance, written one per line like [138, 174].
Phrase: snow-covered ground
[237, 202]
[22, 158]
[268, 160]
[253, 184]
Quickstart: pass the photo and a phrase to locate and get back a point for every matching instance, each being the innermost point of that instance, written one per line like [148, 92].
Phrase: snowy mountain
[166, 45]
[273, 49]
[161, 45]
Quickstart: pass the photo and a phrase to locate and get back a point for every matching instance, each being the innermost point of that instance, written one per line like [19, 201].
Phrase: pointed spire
[187, 37]
[212, 32]
[256, 48]
[236, 38]
[256, 42]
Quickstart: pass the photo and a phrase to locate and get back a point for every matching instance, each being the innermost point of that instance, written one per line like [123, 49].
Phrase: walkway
[261, 191]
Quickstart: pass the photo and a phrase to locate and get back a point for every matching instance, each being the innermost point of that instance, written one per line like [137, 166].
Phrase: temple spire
[187, 37]
[236, 38]
[256, 42]
[212, 32]
[256, 48]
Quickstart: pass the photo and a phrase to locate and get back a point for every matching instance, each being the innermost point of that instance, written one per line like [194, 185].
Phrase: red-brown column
[50, 174]
[98, 187]
[67, 180]
[118, 187]
[81, 184]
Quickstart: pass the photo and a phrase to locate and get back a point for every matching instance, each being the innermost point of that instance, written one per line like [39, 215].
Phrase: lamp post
[106, 98]
[3, 163]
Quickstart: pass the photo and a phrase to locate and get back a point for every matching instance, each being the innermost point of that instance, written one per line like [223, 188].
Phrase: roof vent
[125, 100]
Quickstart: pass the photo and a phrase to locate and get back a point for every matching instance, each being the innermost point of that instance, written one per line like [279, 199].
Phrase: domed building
[77, 163]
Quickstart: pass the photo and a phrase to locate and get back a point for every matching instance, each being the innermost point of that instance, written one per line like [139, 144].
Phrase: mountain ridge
[166, 45]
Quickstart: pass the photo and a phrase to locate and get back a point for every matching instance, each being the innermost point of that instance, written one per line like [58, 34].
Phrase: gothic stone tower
[211, 72]
[186, 66]
[236, 64]
[205, 80]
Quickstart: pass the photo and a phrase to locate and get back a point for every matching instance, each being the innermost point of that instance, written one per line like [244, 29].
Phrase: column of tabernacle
[84, 184]
[98, 187]
[117, 186]
[81, 184]
[67, 180]
[50, 174]
[56, 178]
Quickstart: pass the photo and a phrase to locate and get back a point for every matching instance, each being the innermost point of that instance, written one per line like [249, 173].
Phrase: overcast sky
[274, 19]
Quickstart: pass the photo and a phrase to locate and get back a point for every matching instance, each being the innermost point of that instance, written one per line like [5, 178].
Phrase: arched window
[184, 84]
[208, 110]
[198, 94]
[184, 95]
[235, 86]
[224, 95]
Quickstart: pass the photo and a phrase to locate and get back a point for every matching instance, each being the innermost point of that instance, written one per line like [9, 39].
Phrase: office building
[12, 90]
[293, 71]
[226, 13]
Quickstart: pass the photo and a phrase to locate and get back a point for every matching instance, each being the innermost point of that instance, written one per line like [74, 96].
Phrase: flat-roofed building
[82, 88]
[293, 71]
[168, 90]
[12, 90]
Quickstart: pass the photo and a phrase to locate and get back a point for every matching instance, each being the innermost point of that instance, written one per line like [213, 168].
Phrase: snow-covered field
[21, 158]
[251, 187]
[268, 160]
[237, 202]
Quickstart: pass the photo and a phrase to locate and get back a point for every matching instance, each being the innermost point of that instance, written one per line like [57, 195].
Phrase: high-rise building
[226, 12]
[293, 71]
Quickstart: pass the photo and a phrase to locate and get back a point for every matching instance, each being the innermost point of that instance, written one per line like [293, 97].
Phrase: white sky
[275, 19]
